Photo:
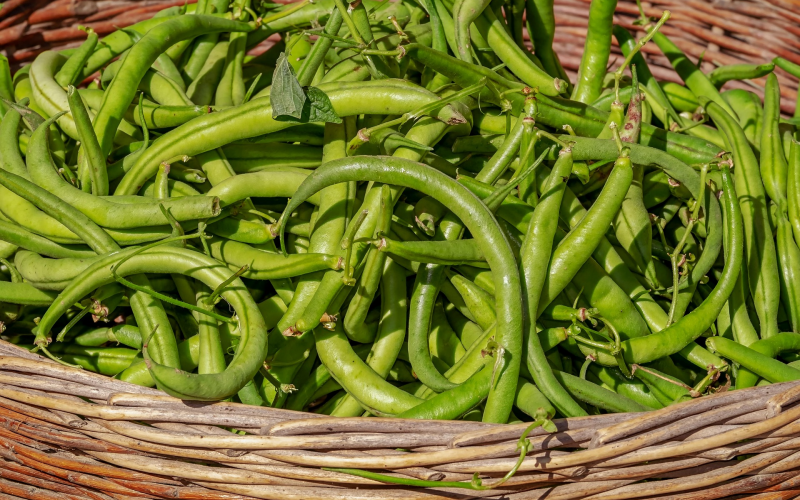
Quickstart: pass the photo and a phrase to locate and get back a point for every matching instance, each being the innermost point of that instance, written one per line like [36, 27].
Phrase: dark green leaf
[286, 95]
[317, 108]
[320, 107]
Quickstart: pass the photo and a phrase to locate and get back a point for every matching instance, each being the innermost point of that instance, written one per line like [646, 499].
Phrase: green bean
[38, 270]
[627, 43]
[212, 358]
[793, 189]
[541, 26]
[771, 347]
[554, 111]
[203, 45]
[7, 249]
[328, 231]
[596, 51]
[467, 208]
[762, 365]
[434, 252]
[6, 85]
[82, 226]
[597, 396]
[684, 331]
[104, 360]
[116, 43]
[656, 189]
[666, 388]
[268, 265]
[95, 237]
[723, 74]
[47, 93]
[93, 163]
[788, 262]
[203, 87]
[478, 302]
[122, 90]
[424, 131]
[127, 335]
[614, 303]
[520, 62]
[713, 242]
[267, 184]
[216, 129]
[630, 388]
[680, 97]
[427, 213]
[791, 68]
[534, 271]
[371, 391]
[189, 354]
[25, 294]
[374, 268]
[320, 49]
[444, 344]
[251, 350]
[102, 211]
[465, 12]
[582, 240]
[530, 400]
[632, 222]
[762, 265]
[774, 170]
[70, 72]
[391, 332]
[749, 111]
[29, 241]
[454, 403]
[158, 116]
[427, 284]
[465, 329]
[695, 79]
[231, 89]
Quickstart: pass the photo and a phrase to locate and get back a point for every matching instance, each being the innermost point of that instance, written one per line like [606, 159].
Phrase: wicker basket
[72, 434]
[723, 31]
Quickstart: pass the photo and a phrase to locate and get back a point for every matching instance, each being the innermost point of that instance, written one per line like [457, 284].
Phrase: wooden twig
[357, 424]
[51, 385]
[26, 475]
[54, 370]
[320, 442]
[680, 411]
[514, 431]
[194, 472]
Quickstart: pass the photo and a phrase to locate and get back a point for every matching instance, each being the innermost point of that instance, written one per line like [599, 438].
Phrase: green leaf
[320, 107]
[286, 95]
[316, 108]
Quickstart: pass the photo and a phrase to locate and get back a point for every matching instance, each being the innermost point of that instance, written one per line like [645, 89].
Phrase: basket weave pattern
[67, 433]
[723, 31]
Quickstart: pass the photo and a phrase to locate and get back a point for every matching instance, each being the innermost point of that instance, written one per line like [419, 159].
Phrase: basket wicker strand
[721, 31]
[71, 434]
[67, 433]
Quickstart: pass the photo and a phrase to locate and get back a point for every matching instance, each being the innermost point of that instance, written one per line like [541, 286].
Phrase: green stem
[636, 48]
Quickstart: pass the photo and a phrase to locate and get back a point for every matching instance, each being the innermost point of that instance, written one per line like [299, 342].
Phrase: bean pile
[399, 209]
